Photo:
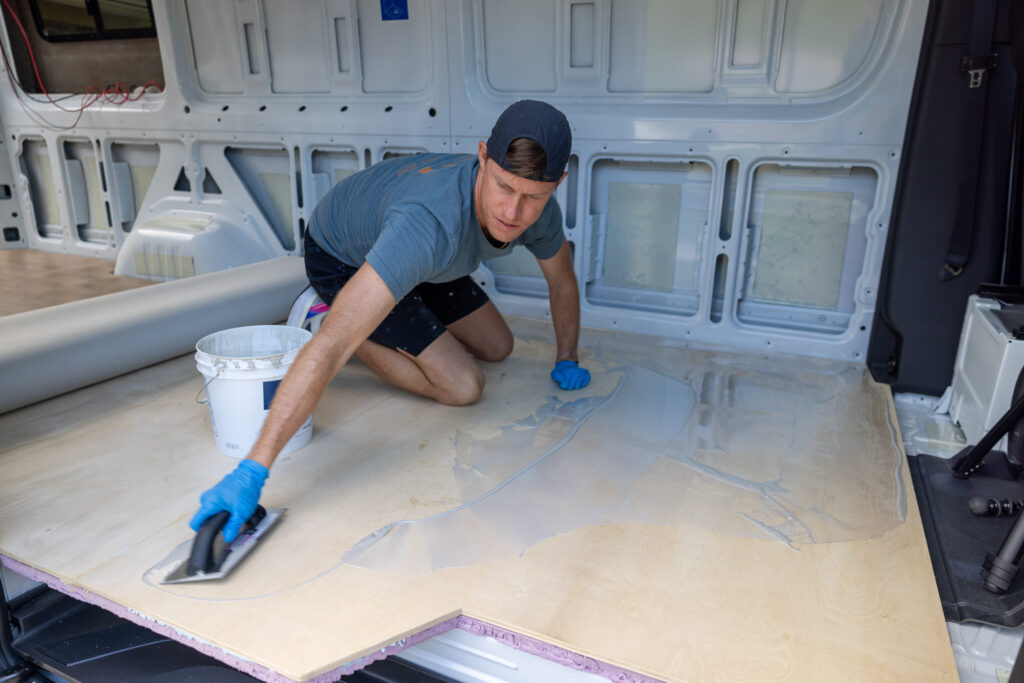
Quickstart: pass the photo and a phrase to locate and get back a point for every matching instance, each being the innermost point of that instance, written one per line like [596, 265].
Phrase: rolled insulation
[53, 350]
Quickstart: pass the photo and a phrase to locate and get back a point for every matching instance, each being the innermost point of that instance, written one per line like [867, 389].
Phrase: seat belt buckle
[975, 67]
[950, 272]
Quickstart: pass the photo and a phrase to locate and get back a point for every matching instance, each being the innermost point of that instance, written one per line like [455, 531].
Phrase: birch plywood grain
[28, 279]
[691, 516]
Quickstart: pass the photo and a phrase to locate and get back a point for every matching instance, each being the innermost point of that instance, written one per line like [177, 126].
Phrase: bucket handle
[206, 401]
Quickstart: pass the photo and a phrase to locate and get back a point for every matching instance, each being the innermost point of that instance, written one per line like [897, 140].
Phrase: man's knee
[497, 350]
[462, 389]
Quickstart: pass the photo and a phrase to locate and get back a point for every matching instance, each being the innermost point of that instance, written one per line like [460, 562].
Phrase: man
[391, 249]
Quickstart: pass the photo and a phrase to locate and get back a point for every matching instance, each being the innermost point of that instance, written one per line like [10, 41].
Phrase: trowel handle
[203, 557]
[208, 548]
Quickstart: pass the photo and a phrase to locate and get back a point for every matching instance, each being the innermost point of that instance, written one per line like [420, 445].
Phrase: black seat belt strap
[974, 67]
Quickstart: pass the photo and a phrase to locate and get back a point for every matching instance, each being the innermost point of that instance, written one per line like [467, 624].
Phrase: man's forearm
[295, 399]
[565, 316]
[359, 307]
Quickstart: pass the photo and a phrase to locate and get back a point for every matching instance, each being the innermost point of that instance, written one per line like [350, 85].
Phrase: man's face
[507, 204]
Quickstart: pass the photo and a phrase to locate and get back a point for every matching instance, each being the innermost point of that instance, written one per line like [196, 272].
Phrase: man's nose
[513, 209]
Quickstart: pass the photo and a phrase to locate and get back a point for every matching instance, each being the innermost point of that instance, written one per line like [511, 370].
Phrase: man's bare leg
[445, 371]
[484, 333]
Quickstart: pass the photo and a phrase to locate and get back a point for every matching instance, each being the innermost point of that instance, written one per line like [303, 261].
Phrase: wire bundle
[117, 94]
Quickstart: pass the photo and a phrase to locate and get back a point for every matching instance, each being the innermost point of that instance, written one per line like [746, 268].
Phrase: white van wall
[733, 161]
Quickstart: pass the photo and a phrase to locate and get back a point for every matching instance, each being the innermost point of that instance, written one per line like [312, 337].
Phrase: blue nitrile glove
[238, 493]
[569, 375]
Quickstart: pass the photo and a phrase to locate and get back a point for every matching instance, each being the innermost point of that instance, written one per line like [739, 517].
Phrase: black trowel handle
[209, 549]
[203, 557]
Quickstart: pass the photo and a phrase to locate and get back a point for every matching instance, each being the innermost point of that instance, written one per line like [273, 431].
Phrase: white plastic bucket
[243, 367]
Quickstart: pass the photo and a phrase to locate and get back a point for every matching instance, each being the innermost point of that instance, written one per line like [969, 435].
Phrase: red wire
[118, 94]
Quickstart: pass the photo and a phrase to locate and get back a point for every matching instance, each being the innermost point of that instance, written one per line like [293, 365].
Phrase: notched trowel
[209, 557]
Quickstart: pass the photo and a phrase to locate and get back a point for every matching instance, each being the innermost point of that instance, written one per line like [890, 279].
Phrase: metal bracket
[975, 68]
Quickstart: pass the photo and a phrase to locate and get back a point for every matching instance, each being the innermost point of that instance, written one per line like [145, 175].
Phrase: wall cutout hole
[224, 108]
[344, 108]
[12, 235]
[182, 184]
[388, 108]
[718, 289]
[432, 112]
[263, 107]
[302, 108]
[188, 109]
[5, 191]
[732, 172]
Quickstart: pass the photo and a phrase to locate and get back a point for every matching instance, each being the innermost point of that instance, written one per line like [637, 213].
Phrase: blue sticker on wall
[269, 389]
[394, 10]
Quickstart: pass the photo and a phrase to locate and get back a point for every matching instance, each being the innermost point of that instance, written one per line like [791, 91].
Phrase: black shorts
[415, 321]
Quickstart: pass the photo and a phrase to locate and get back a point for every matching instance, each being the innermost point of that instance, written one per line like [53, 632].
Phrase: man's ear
[564, 174]
[481, 152]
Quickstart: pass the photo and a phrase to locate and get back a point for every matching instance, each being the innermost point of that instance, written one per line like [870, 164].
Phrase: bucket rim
[304, 333]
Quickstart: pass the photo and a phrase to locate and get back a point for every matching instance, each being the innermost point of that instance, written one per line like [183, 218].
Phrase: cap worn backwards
[538, 121]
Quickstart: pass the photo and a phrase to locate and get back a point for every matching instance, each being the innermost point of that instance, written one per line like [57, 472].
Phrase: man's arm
[355, 313]
[564, 297]
[357, 310]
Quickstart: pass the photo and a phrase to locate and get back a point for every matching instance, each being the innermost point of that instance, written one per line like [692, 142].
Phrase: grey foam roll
[53, 350]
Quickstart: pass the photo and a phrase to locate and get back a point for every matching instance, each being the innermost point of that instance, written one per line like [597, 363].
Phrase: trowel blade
[237, 549]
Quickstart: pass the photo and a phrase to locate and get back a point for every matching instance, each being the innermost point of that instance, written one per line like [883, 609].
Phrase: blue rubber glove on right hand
[238, 493]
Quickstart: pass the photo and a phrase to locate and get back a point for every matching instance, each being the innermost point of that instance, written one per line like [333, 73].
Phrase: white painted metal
[274, 100]
[470, 658]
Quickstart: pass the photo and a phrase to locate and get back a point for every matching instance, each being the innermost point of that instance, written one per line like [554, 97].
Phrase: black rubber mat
[85, 643]
[959, 540]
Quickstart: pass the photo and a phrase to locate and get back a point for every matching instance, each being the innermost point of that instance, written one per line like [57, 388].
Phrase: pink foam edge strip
[527, 644]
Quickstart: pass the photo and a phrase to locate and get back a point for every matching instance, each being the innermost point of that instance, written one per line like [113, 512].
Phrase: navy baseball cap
[540, 122]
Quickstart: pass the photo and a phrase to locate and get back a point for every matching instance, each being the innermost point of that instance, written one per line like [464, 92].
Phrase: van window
[65, 20]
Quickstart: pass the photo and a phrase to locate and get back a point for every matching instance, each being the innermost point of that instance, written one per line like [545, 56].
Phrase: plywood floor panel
[693, 515]
[32, 279]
